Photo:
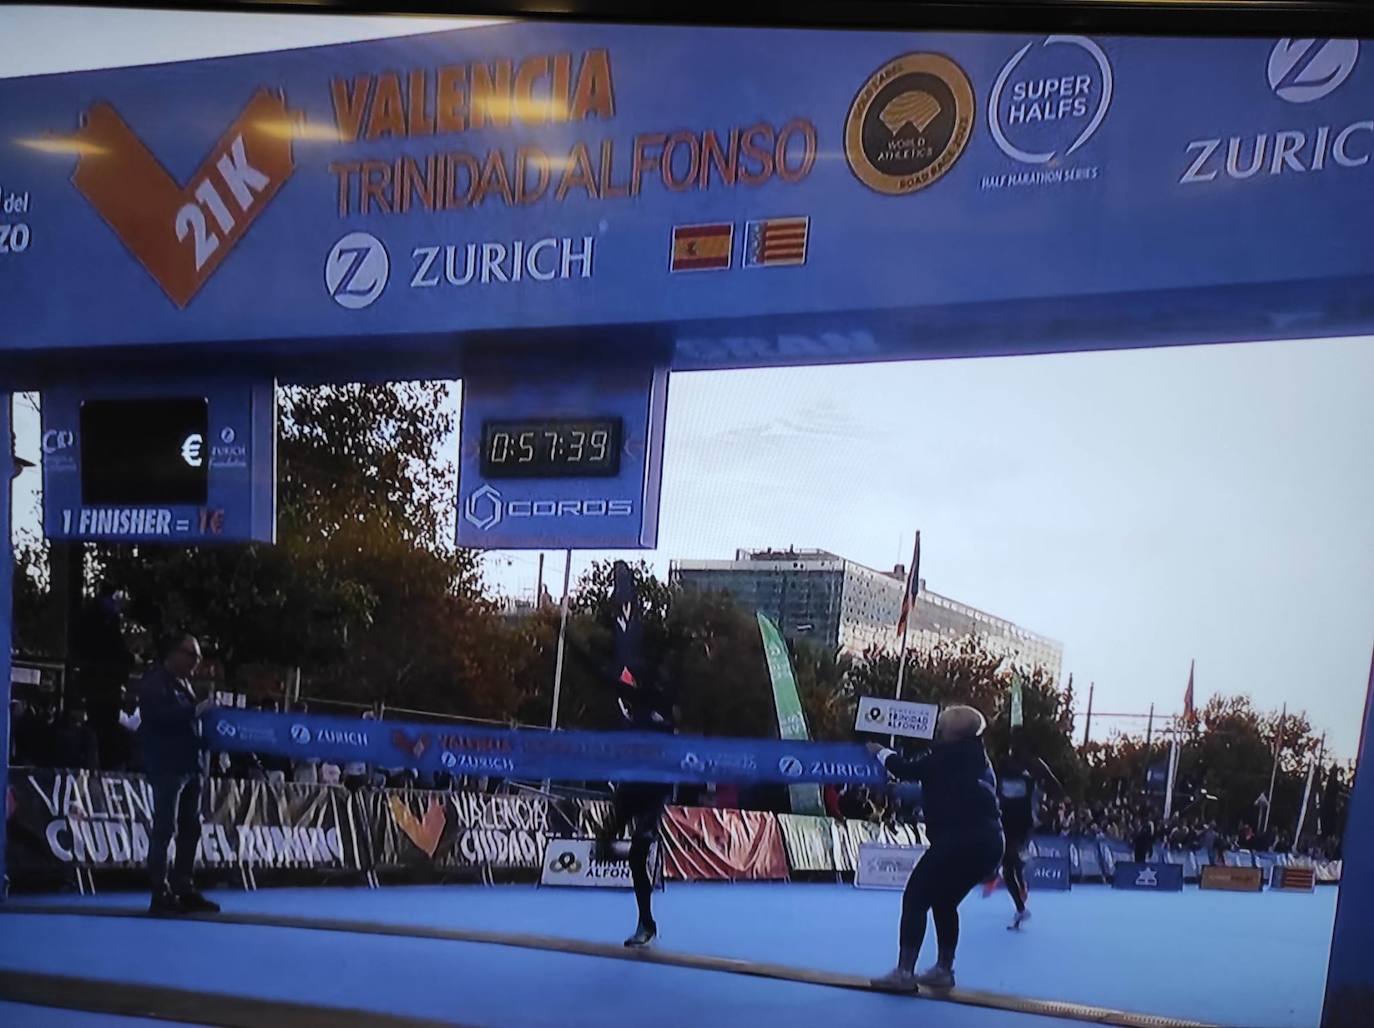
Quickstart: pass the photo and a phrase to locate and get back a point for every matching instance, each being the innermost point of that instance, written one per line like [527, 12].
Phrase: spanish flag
[702, 247]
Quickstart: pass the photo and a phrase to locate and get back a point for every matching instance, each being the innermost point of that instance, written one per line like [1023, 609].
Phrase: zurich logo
[1303, 70]
[692, 762]
[448, 759]
[300, 734]
[1049, 101]
[484, 508]
[225, 729]
[790, 766]
[226, 436]
[356, 270]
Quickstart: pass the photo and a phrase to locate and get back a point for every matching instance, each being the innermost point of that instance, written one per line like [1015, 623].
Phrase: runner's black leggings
[938, 884]
[1014, 870]
[639, 807]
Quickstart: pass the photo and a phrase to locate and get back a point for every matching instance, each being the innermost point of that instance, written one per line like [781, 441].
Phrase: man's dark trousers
[176, 811]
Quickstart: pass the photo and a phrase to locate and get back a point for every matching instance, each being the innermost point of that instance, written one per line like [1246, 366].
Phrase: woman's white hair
[958, 723]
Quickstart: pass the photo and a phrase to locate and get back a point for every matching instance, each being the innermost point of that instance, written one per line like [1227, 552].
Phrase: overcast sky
[1145, 508]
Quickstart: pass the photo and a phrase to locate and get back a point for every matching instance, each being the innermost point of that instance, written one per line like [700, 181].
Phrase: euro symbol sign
[190, 449]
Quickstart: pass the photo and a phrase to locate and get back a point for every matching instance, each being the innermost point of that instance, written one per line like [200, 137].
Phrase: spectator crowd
[1126, 822]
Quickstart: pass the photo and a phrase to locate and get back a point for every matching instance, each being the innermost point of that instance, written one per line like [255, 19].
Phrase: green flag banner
[806, 799]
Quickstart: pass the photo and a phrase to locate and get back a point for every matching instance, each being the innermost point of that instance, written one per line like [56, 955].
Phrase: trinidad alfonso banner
[912, 194]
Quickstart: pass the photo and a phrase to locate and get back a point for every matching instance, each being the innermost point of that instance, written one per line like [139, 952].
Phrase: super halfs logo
[910, 122]
[181, 234]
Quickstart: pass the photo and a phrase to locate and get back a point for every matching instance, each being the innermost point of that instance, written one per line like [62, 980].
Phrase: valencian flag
[1189, 711]
[913, 587]
[702, 247]
[776, 241]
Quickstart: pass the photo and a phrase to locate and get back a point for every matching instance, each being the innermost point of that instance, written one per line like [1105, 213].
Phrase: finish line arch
[438, 205]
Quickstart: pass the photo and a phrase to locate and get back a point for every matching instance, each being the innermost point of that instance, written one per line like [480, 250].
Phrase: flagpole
[1016, 715]
[1088, 724]
[562, 639]
[1313, 791]
[913, 589]
[1169, 788]
[901, 660]
[1173, 771]
[1274, 771]
[1317, 782]
[1306, 796]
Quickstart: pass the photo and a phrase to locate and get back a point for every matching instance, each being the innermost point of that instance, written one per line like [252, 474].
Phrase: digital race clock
[552, 448]
[559, 451]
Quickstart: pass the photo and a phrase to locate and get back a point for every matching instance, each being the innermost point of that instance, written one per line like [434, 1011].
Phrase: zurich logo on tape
[790, 766]
[692, 762]
[448, 759]
[300, 735]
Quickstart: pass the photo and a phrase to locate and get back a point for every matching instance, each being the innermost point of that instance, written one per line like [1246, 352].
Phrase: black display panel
[142, 452]
[552, 448]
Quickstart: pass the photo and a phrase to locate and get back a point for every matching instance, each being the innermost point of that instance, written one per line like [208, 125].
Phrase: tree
[1230, 756]
[593, 594]
[36, 621]
[1227, 754]
[364, 588]
[250, 605]
[827, 695]
[965, 671]
[728, 690]
[710, 643]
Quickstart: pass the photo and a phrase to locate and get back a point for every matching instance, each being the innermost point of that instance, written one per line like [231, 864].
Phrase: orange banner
[181, 234]
[724, 845]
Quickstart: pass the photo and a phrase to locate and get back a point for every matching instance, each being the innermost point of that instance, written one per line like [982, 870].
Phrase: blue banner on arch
[1069, 191]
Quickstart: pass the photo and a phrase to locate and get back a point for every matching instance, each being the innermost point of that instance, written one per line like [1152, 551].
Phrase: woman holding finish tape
[959, 794]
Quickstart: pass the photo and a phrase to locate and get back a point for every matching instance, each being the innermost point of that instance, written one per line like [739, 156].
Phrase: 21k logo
[181, 234]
